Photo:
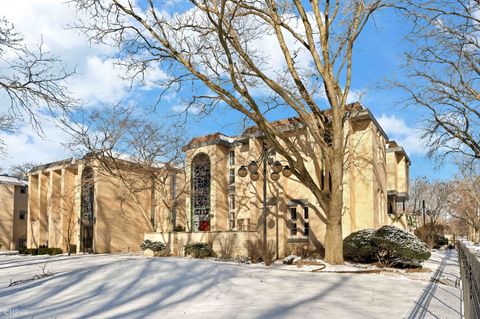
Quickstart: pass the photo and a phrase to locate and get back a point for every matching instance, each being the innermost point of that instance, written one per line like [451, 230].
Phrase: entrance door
[87, 238]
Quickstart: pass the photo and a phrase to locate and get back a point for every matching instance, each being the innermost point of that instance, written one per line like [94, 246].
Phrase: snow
[129, 286]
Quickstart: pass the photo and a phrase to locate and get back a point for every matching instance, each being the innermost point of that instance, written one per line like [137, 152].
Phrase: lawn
[128, 286]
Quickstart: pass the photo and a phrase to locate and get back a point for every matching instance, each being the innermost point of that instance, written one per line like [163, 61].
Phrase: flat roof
[11, 180]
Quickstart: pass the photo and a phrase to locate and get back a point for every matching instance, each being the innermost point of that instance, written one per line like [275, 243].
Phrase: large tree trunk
[333, 236]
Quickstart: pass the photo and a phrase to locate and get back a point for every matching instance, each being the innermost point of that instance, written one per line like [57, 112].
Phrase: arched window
[201, 193]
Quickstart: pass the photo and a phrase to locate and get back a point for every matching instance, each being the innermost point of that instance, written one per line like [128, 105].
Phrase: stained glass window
[88, 190]
[201, 192]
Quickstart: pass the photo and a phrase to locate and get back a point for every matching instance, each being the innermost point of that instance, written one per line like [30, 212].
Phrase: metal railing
[470, 276]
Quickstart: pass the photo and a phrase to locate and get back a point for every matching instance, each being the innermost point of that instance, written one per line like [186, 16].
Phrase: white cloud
[97, 79]
[408, 137]
[193, 109]
[26, 146]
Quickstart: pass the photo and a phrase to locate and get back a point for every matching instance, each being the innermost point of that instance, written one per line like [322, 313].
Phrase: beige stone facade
[13, 212]
[213, 204]
[375, 185]
[78, 203]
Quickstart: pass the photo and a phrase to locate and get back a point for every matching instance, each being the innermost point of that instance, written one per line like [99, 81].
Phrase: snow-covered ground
[127, 286]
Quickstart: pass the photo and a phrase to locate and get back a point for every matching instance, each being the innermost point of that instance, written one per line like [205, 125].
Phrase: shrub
[154, 246]
[179, 228]
[440, 241]
[2, 243]
[432, 234]
[228, 246]
[54, 251]
[389, 245]
[73, 249]
[255, 250]
[198, 250]
[396, 246]
[40, 251]
[358, 246]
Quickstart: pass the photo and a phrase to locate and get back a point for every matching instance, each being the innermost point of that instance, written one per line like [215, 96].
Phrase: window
[244, 224]
[322, 180]
[293, 221]
[231, 202]
[201, 192]
[298, 223]
[306, 226]
[306, 229]
[232, 175]
[293, 213]
[22, 215]
[23, 190]
[232, 220]
[231, 157]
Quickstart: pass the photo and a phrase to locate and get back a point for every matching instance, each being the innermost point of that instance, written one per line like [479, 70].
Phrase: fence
[470, 275]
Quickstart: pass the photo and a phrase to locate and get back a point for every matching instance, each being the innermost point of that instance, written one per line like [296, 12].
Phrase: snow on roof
[4, 179]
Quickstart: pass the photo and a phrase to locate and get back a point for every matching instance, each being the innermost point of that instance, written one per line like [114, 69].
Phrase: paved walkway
[442, 298]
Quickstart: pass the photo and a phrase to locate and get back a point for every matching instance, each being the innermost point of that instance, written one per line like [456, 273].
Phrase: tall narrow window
[87, 209]
[22, 214]
[231, 202]
[232, 176]
[330, 182]
[201, 193]
[293, 221]
[231, 156]
[232, 220]
[306, 226]
[322, 180]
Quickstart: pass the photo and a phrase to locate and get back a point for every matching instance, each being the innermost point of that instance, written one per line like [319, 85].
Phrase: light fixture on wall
[266, 159]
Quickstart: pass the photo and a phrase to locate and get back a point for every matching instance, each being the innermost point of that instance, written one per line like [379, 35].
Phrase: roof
[358, 112]
[211, 139]
[393, 147]
[11, 180]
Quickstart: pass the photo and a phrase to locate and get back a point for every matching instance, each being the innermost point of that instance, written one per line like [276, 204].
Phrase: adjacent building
[13, 212]
[81, 204]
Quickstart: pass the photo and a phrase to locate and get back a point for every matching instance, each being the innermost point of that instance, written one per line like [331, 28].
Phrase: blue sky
[377, 58]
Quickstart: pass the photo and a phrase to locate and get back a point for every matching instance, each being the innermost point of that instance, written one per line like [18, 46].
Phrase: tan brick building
[13, 212]
[221, 203]
[77, 202]
[213, 202]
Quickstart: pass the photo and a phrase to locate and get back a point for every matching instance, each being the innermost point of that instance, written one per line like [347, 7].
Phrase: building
[210, 202]
[82, 204]
[13, 212]
[220, 203]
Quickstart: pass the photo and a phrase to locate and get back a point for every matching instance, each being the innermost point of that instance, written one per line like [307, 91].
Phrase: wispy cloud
[407, 136]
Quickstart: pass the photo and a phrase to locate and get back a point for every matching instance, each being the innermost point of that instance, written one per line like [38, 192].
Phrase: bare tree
[430, 200]
[21, 170]
[66, 220]
[139, 154]
[31, 79]
[465, 199]
[211, 46]
[443, 73]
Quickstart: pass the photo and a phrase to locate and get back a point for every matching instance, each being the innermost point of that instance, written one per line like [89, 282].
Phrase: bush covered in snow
[397, 245]
[199, 250]
[357, 246]
[154, 246]
[389, 245]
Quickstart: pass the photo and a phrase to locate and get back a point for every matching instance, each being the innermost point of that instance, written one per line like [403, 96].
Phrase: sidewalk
[442, 298]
